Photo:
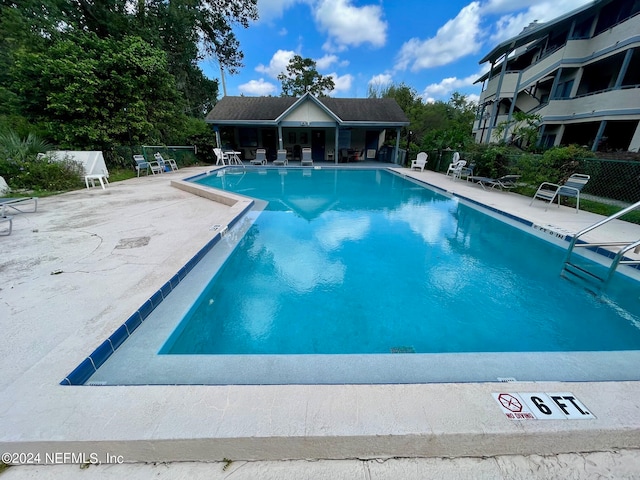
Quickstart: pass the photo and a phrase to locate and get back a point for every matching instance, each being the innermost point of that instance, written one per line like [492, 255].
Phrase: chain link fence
[614, 183]
[122, 156]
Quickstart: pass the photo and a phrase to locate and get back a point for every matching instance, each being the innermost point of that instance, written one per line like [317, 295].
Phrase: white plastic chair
[420, 161]
[221, 157]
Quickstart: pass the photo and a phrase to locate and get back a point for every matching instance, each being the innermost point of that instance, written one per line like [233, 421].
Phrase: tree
[96, 93]
[301, 77]
[524, 129]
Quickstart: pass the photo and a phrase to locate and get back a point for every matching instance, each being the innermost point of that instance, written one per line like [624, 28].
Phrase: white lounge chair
[548, 192]
[11, 203]
[261, 157]
[420, 161]
[142, 164]
[306, 157]
[162, 162]
[282, 158]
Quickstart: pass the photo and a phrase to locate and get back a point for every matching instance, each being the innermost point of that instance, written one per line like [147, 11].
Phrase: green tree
[96, 93]
[524, 128]
[302, 76]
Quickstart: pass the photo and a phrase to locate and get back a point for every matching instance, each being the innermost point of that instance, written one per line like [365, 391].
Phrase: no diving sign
[542, 406]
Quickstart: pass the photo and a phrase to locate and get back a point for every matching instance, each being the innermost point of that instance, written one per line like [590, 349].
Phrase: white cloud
[342, 83]
[257, 87]
[283, 31]
[446, 87]
[278, 63]
[455, 39]
[348, 25]
[326, 61]
[272, 9]
[381, 80]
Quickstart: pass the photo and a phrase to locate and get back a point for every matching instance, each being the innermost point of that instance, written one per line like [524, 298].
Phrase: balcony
[605, 104]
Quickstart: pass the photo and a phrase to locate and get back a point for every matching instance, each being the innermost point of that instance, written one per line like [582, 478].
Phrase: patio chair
[221, 157]
[548, 192]
[91, 178]
[455, 169]
[467, 171]
[420, 161]
[306, 157]
[261, 157]
[4, 219]
[503, 183]
[171, 163]
[11, 203]
[281, 158]
[142, 164]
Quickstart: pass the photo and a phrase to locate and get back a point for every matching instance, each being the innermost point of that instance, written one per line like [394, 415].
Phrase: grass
[588, 205]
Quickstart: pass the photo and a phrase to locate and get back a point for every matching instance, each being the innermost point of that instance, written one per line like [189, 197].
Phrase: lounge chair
[503, 183]
[6, 203]
[261, 157]
[142, 164]
[6, 219]
[420, 161]
[548, 192]
[282, 158]
[306, 157]
[163, 163]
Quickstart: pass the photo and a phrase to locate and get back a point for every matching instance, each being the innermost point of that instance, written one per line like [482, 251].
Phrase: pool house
[337, 130]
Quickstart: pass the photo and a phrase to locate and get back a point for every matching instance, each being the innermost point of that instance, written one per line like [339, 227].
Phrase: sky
[431, 46]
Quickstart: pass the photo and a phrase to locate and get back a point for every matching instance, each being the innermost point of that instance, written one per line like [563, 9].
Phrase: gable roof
[270, 109]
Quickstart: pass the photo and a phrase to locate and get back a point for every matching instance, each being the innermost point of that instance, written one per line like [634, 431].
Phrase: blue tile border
[89, 365]
[599, 250]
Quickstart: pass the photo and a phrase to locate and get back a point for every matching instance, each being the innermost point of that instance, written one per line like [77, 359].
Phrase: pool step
[583, 277]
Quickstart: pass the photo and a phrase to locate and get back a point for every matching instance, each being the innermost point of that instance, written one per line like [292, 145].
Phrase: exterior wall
[308, 112]
[604, 103]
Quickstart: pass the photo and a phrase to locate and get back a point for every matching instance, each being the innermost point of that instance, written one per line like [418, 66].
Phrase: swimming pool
[346, 269]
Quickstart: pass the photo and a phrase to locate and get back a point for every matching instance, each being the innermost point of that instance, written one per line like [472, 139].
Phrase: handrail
[599, 224]
[618, 258]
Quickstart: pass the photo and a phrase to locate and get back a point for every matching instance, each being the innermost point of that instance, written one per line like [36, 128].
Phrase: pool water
[368, 262]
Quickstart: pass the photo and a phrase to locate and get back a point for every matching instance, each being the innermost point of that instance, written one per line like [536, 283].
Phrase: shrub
[42, 174]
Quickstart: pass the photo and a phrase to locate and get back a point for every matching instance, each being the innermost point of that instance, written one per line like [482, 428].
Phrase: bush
[42, 174]
[555, 165]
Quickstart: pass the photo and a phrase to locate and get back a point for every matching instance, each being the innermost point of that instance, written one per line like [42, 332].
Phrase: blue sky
[432, 46]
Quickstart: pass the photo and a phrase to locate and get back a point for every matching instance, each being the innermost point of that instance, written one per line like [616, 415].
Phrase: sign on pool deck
[542, 406]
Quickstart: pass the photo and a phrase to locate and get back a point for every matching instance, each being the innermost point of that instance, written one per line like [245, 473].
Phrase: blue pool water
[366, 262]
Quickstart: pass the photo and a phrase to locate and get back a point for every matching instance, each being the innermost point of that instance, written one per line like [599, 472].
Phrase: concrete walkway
[72, 272]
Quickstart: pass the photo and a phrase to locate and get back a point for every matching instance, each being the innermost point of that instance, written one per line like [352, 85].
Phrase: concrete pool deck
[73, 271]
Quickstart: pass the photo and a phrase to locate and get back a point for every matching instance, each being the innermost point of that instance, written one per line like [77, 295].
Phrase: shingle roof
[247, 109]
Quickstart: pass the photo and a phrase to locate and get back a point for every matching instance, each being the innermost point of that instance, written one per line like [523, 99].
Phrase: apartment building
[580, 73]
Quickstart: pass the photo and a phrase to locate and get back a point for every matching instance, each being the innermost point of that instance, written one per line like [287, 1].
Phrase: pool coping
[240, 203]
